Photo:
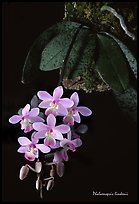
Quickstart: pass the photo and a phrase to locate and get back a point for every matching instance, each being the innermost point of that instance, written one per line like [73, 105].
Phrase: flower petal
[44, 95]
[36, 119]
[77, 117]
[64, 155]
[24, 141]
[77, 142]
[45, 104]
[49, 141]
[57, 157]
[30, 156]
[62, 128]
[39, 126]
[75, 98]
[66, 102]
[43, 148]
[62, 110]
[40, 134]
[51, 120]
[22, 149]
[58, 92]
[15, 119]
[25, 110]
[58, 135]
[50, 111]
[34, 112]
[84, 110]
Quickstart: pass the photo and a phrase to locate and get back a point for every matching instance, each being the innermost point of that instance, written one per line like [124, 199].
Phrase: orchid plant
[46, 142]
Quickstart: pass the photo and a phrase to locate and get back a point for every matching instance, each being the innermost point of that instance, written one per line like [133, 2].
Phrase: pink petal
[56, 146]
[51, 120]
[58, 135]
[49, 141]
[28, 129]
[77, 117]
[24, 141]
[34, 112]
[62, 110]
[84, 110]
[77, 142]
[68, 120]
[41, 134]
[62, 128]
[57, 157]
[58, 92]
[22, 149]
[68, 143]
[29, 156]
[34, 139]
[64, 142]
[36, 119]
[66, 102]
[75, 98]
[43, 148]
[44, 95]
[39, 126]
[15, 119]
[45, 104]
[25, 110]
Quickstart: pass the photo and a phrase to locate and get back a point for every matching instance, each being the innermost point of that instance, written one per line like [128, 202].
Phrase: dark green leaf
[48, 38]
[111, 63]
[128, 102]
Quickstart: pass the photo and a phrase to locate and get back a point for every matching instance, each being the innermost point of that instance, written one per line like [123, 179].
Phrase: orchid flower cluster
[44, 141]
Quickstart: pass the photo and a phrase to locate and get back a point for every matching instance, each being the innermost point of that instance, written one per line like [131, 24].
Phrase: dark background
[106, 162]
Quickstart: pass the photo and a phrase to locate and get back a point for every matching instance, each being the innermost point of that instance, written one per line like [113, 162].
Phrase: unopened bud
[37, 184]
[23, 172]
[60, 169]
[38, 166]
[50, 185]
[52, 172]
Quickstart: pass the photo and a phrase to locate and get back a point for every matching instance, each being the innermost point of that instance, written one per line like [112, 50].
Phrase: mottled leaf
[111, 63]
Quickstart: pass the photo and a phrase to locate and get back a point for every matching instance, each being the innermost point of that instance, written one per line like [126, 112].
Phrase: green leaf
[111, 63]
[129, 56]
[34, 59]
[127, 101]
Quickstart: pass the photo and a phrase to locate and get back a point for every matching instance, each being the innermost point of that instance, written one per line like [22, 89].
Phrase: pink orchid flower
[27, 118]
[30, 148]
[55, 104]
[73, 112]
[50, 132]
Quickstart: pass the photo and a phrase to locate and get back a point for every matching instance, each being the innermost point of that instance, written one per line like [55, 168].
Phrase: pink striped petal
[45, 104]
[57, 93]
[75, 98]
[62, 110]
[39, 126]
[66, 102]
[62, 128]
[24, 141]
[49, 141]
[34, 112]
[51, 120]
[44, 95]
[41, 134]
[84, 110]
[25, 110]
[22, 149]
[43, 148]
[15, 119]
[58, 135]
[30, 156]
[65, 155]
[77, 117]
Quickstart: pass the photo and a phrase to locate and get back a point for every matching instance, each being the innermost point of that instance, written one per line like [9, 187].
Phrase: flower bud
[38, 166]
[50, 185]
[23, 172]
[37, 184]
[60, 169]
